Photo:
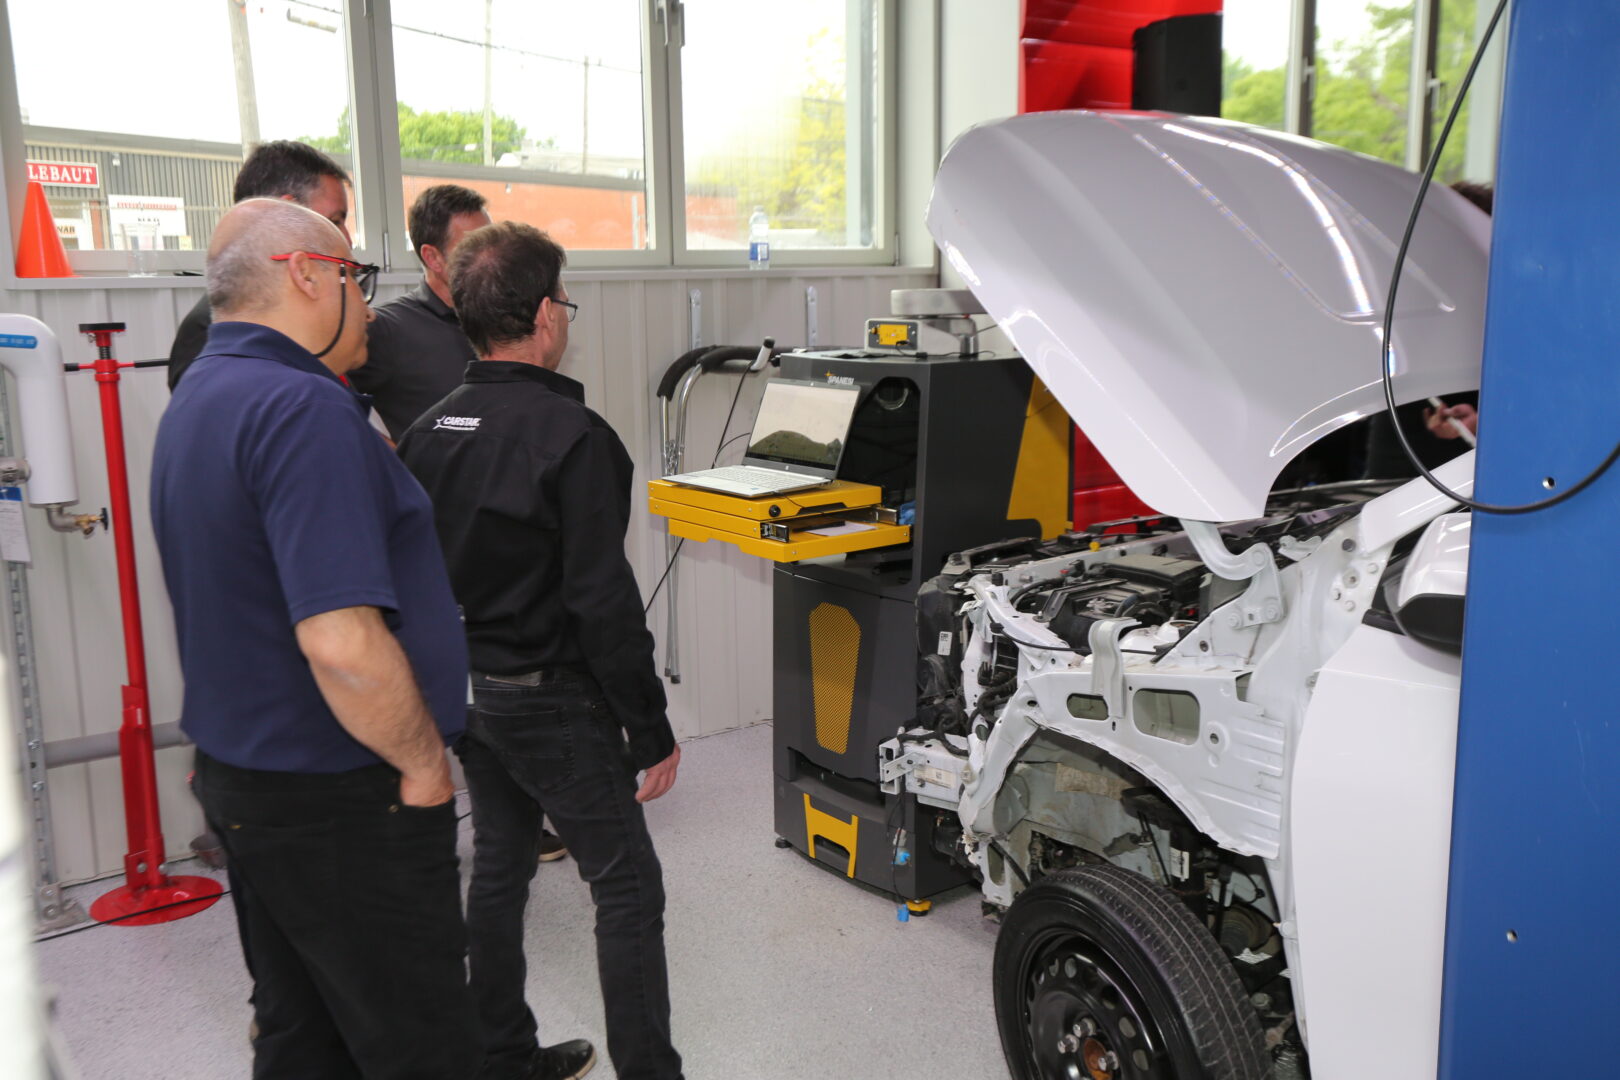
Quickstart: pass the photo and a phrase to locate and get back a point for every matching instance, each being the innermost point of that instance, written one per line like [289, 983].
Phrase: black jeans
[351, 912]
[555, 749]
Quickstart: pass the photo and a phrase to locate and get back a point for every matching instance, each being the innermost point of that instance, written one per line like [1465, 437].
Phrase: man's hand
[427, 787]
[1440, 420]
[367, 682]
[660, 778]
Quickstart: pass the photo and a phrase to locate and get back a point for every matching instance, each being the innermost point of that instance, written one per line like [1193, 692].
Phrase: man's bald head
[241, 278]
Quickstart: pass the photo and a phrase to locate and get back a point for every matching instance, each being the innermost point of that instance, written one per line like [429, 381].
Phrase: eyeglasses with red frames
[365, 274]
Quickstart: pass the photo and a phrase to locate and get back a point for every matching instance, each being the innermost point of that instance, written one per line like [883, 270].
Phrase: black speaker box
[1178, 65]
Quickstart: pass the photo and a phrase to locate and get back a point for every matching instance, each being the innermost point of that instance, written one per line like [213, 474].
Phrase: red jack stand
[148, 895]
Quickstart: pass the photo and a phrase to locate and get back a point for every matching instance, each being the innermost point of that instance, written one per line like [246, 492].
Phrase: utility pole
[585, 123]
[489, 143]
[247, 102]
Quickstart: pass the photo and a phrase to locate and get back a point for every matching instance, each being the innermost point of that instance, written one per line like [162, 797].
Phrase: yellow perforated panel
[1040, 487]
[835, 646]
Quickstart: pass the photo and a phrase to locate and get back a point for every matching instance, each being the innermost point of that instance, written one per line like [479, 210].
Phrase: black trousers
[351, 924]
[555, 749]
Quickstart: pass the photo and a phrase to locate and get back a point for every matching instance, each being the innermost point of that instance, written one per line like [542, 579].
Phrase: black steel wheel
[1102, 975]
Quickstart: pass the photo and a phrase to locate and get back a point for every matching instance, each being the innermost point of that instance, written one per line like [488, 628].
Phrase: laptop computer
[797, 441]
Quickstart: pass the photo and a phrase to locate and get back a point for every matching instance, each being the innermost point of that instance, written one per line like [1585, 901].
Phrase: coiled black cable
[1387, 344]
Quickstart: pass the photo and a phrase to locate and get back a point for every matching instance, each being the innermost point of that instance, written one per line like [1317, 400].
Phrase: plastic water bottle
[759, 241]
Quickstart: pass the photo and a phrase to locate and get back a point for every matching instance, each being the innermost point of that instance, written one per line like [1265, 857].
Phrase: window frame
[1424, 84]
[181, 268]
[885, 149]
[654, 137]
[378, 171]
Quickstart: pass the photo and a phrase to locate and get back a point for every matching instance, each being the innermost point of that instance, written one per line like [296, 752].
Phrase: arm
[603, 602]
[1452, 421]
[367, 682]
[318, 474]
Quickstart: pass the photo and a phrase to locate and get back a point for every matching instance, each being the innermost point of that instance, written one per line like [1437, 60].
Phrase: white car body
[1204, 299]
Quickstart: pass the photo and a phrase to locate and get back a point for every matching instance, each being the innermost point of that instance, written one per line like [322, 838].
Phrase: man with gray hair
[324, 662]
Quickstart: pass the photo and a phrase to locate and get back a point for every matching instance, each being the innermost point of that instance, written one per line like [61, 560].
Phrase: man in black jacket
[531, 495]
[281, 169]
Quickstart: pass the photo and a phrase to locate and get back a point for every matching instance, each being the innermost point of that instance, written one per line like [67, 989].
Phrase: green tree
[804, 184]
[1362, 86]
[810, 191]
[1256, 97]
[436, 136]
[1458, 39]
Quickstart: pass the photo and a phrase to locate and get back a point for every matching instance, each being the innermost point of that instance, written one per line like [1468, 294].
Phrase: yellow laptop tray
[783, 528]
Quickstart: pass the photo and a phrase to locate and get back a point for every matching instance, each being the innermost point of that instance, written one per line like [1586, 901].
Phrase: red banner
[65, 173]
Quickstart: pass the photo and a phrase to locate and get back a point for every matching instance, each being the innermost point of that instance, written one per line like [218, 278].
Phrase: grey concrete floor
[779, 970]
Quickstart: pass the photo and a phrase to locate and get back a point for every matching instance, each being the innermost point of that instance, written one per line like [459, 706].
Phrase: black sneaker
[551, 846]
[565, 1061]
[210, 850]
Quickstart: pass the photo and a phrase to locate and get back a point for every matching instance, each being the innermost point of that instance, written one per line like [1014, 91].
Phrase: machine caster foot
[919, 908]
[781, 843]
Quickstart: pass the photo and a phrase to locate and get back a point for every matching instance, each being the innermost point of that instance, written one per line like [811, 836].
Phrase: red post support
[148, 895]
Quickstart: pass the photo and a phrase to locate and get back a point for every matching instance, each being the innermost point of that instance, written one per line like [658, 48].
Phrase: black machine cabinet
[981, 452]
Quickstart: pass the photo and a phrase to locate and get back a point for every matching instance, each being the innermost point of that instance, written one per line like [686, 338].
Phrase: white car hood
[1205, 297]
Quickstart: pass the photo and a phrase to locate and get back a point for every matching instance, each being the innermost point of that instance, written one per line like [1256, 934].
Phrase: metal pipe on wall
[87, 748]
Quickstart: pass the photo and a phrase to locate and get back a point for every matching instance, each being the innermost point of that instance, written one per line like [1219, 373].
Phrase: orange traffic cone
[40, 252]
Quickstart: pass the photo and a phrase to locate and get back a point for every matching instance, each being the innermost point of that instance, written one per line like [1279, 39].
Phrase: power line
[479, 44]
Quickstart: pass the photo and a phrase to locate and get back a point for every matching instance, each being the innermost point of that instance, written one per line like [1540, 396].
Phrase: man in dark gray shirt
[417, 351]
[281, 169]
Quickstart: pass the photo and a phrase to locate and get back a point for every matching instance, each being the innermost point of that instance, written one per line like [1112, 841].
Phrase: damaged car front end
[1203, 762]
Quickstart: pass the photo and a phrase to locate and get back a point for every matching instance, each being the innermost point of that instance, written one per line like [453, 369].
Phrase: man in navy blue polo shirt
[325, 666]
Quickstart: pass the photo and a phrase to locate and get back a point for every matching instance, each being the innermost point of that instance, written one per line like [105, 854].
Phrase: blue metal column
[1533, 930]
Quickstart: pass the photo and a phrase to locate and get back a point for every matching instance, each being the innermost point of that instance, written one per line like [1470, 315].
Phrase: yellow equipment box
[835, 519]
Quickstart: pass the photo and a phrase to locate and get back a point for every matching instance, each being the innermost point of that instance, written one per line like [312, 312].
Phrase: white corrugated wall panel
[628, 331]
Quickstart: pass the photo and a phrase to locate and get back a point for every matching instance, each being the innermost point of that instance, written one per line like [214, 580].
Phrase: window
[1353, 85]
[1363, 76]
[131, 150]
[1470, 152]
[637, 132]
[779, 114]
[1254, 62]
[532, 104]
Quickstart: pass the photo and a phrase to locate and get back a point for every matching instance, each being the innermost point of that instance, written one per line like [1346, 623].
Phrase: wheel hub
[1099, 1060]
[1084, 1019]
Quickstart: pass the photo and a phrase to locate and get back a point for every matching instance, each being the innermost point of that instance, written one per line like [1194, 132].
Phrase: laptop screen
[802, 423]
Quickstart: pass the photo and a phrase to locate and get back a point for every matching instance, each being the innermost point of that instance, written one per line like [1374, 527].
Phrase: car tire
[1100, 974]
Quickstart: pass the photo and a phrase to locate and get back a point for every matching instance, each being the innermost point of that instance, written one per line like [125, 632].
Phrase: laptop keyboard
[747, 474]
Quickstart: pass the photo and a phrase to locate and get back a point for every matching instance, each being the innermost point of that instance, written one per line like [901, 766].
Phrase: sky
[1257, 30]
[169, 69]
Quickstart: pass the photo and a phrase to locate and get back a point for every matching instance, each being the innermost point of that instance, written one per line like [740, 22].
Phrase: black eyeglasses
[573, 308]
[365, 274]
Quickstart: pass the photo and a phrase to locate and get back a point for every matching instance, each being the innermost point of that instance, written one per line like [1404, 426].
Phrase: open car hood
[1205, 297]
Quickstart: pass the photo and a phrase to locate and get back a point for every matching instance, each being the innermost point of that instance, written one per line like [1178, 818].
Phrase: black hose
[683, 363]
[721, 355]
[710, 357]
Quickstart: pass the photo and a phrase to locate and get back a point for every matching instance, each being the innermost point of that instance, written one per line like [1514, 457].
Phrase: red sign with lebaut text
[65, 173]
